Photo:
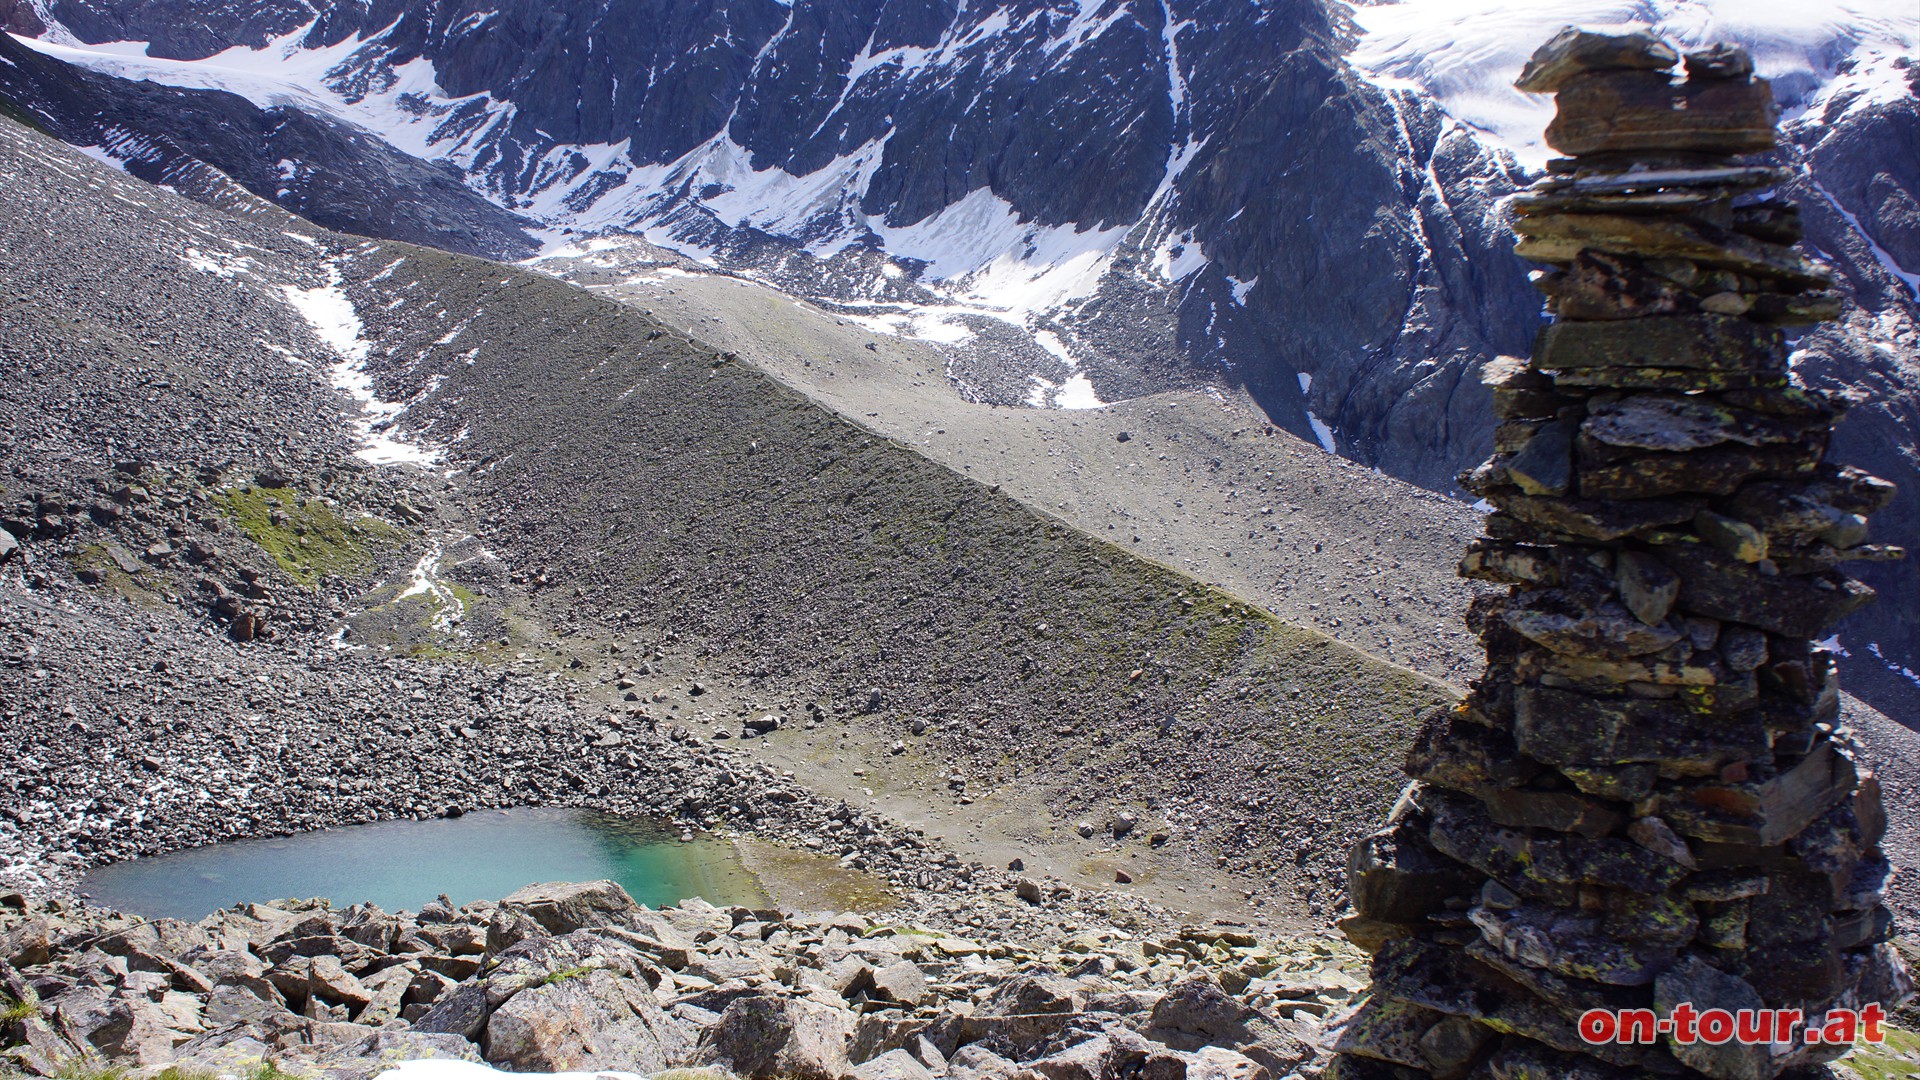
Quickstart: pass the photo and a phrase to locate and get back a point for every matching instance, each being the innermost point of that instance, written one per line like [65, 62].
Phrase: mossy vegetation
[309, 538]
[96, 565]
[564, 974]
[1896, 1059]
[182, 1072]
[14, 1011]
[82, 1070]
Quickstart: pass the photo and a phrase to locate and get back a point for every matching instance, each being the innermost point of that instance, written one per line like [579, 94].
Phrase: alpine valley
[930, 435]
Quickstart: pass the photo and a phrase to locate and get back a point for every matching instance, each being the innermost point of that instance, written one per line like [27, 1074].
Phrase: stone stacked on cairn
[1647, 798]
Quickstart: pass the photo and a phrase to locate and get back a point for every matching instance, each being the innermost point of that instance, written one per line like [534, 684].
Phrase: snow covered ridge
[978, 253]
[1466, 53]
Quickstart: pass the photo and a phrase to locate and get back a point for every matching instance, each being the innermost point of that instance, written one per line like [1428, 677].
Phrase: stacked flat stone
[1647, 797]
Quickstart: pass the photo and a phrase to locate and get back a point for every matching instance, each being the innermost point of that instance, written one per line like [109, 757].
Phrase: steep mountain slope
[1186, 190]
[327, 171]
[1199, 480]
[339, 452]
[1099, 199]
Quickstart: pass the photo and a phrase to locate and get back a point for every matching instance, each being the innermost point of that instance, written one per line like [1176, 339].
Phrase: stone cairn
[1647, 798]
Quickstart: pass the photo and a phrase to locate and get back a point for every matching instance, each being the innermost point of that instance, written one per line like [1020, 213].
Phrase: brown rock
[1561, 811]
[1574, 52]
[1544, 466]
[562, 908]
[1611, 473]
[1645, 111]
[1560, 239]
[593, 1020]
[1395, 875]
[1596, 520]
[1705, 987]
[1600, 285]
[1383, 1029]
[1711, 342]
[1764, 814]
[1568, 944]
[1722, 61]
[1732, 536]
[1647, 587]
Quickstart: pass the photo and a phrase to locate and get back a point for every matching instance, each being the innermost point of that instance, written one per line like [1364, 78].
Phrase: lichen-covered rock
[766, 1037]
[562, 908]
[584, 1020]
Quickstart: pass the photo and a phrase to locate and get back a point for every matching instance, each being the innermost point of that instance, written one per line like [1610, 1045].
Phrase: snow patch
[449, 609]
[334, 321]
[1051, 342]
[1178, 257]
[1322, 432]
[1077, 393]
[331, 314]
[993, 259]
[1893, 665]
[226, 266]
[1242, 288]
[100, 154]
[1886, 258]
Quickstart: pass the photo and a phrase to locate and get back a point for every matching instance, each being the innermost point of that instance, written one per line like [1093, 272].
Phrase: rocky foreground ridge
[568, 977]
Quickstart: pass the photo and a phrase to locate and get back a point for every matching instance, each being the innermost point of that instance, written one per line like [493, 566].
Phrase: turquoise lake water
[405, 864]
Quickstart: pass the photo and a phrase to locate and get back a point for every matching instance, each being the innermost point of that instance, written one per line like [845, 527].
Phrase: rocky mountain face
[345, 177]
[1152, 192]
[1185, 190]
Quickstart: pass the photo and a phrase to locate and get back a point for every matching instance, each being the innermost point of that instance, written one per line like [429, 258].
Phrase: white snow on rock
[1893, 665]
[1077, 393]
[1005, 266]
[407, 112]
[1323, 432]
[448, 608]
[331, 314]
[217, 264]
[1885, 257]
[1466, 53]
[337, 325]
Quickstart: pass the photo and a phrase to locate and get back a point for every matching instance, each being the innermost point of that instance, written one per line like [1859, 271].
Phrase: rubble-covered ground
[561, 978]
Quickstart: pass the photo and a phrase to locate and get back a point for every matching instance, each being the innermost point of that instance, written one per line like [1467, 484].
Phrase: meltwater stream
[405, 864]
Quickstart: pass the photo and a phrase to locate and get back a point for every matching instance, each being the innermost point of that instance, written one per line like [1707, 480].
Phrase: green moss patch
[308, 538]
[1896, 1059]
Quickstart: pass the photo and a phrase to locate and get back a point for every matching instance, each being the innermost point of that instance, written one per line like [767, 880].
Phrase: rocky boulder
[763, 1037]
[565, 907]
[584, 1020]
[1197, 1013]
